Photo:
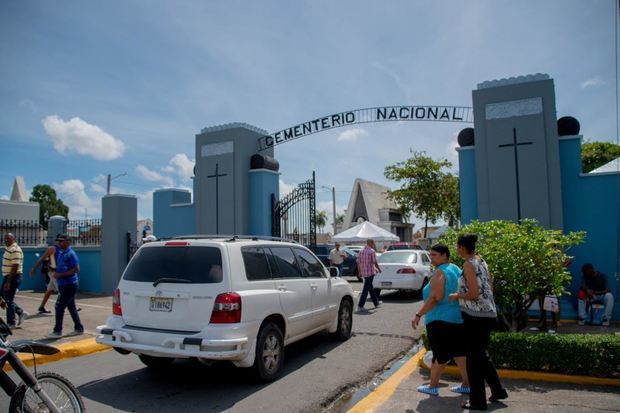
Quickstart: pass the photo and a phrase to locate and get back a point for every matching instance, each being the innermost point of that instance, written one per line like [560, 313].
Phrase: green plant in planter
[524, 259]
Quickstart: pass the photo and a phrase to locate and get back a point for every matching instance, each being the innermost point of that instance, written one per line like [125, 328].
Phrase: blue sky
[91, 88]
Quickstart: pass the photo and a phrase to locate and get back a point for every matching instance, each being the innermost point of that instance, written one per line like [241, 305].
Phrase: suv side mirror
[334, 272]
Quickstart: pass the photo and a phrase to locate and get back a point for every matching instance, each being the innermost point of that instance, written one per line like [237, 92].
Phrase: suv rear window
[199, 265]
[256, 265]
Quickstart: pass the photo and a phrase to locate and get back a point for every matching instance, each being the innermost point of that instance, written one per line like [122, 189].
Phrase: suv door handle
[314, 286]
[282, 287]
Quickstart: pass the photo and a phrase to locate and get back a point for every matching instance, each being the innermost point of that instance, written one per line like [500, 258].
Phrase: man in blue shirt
[67, 270]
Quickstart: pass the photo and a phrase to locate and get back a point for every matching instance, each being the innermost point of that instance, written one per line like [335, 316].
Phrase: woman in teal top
[444, 324]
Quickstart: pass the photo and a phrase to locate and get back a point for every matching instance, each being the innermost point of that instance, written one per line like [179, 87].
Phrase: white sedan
[403, 270]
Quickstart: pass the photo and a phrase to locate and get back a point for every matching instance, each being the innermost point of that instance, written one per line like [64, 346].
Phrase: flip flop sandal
[433, 391]
[460, 389]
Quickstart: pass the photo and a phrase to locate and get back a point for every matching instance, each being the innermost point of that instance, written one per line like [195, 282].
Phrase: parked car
[349, 264]
[233, 299]
[407, 270]
[403, 246]
[354, 248]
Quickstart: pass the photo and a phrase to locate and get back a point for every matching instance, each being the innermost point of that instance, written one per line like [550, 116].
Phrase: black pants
[480, 368]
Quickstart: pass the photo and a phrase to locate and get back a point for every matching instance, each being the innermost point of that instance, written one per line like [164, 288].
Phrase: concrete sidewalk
[94, 311]
[401, 395]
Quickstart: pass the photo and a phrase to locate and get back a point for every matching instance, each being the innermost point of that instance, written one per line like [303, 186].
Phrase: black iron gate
[294, 216]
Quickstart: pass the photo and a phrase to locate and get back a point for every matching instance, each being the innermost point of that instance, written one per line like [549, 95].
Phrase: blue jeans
[341, 269]
[368, 289]
[66, 299]
[12, 309]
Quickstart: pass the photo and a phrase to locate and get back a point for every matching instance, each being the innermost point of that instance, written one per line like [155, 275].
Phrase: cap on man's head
[63, 237]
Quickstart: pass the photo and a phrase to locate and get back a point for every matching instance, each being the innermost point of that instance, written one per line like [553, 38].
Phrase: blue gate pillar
[264, 186]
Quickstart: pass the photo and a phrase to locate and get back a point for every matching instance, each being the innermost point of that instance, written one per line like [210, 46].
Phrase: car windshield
[400, 257]
[349, 251]
[198, 265]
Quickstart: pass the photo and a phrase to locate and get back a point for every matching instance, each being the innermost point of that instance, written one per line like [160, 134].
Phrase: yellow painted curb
[388, 387]
[67, 350]
[539, 376]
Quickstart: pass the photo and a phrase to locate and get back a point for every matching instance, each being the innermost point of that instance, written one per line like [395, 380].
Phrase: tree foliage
[597, 154]
[49, 203]
[524, 260]
[427, 189]
[321, 220]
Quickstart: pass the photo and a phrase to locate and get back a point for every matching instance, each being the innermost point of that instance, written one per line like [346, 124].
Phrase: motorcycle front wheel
[60, 390]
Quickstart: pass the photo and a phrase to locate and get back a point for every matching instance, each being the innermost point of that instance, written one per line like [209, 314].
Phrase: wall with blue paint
[173, 213]
[90, 269]
[468, 184]
[591, 203]
[263, 184]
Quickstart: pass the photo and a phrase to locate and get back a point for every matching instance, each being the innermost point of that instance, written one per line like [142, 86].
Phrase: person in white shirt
[336, 258]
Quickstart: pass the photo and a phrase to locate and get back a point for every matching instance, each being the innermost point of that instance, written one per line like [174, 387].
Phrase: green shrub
[577, 354]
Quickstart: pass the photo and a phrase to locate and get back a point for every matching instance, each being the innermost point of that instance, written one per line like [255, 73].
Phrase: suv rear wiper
[171, 280]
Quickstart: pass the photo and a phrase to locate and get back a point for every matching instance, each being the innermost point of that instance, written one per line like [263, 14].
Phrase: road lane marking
[383, 393]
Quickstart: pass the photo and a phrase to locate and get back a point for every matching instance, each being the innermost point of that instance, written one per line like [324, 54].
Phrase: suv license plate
[160, 304]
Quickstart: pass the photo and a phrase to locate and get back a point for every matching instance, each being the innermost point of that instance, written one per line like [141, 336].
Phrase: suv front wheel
[269, 353]
[345, 321]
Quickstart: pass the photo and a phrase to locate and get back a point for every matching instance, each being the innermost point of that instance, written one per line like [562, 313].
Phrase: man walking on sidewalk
[48, 269]
[368, 267]
[12, 270]
[67, 270]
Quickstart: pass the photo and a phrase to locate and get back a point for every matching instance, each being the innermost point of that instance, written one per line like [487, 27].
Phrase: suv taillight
[406, 271]
[226, 309]
[116, 303]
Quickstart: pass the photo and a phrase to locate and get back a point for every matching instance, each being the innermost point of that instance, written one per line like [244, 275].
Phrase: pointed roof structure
[366, 201]
[18, 193]
[612, 166]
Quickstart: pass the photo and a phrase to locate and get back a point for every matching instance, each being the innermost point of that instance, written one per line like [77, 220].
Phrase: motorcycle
[38, 392]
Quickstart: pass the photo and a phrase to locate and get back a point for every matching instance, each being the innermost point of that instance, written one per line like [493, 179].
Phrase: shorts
[447, 340]
[52, 285]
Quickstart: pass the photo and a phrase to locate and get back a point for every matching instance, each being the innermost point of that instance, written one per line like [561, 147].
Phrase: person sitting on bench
[594, 288]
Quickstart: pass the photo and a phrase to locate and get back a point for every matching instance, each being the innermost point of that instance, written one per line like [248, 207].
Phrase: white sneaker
[605, 323]
[581, 322]
[75, 333]
[54, 334]
[24, 315]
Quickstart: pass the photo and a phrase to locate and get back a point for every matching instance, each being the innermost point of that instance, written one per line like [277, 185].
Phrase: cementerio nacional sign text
[378, 114]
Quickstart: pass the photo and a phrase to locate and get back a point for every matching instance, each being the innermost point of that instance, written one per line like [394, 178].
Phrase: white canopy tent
[362, 232]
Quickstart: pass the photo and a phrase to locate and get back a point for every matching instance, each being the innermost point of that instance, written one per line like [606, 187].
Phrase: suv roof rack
[232, 238]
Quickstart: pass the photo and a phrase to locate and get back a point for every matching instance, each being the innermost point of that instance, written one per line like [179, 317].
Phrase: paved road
[317, 370]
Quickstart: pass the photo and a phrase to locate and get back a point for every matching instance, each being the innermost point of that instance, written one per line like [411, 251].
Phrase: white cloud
[73, 194]
[79, 136]
[28, 104]
[181, 165]
[453, 155]
[4, 197]
[285, 188]
[153, 176]
[595, 81]
[97, 184]
[352, 134]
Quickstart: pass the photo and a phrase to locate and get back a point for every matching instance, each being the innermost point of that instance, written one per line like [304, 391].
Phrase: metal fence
[27, 232]
[84, 232]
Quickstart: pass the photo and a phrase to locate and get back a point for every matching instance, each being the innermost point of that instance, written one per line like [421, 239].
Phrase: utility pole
[109, 183]
[334, 207]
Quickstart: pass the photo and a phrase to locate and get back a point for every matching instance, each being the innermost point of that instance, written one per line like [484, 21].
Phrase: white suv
[225, 299]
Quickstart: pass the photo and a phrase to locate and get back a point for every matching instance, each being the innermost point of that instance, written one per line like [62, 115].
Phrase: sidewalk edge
[538, 376]
[67, 350]
[382, 393]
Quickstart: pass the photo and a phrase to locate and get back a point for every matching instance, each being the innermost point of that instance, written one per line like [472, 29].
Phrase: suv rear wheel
[269, 352]
[345, 321]
[155, 363]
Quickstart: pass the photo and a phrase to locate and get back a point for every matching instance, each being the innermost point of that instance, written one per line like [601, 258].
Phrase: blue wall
[263, 183]
[591, 203]
[90, 269]
[468, 184]
[173, 213]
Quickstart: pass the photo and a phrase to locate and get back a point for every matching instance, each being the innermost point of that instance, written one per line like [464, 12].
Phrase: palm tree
[321, 220]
